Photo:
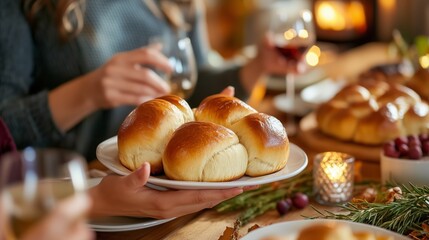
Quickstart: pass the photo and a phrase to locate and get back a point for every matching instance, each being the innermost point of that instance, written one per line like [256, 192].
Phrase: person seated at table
[71, 71]
[114, 196]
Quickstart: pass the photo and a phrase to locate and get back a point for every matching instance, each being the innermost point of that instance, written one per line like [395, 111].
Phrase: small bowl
[405, 171]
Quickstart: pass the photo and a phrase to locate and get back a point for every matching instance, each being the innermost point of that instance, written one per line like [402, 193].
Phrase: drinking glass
[293, 34]
[180, 54]
[184, 76]
[33, 181]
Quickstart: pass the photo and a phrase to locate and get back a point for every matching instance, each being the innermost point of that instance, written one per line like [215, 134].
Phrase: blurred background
[235, 24]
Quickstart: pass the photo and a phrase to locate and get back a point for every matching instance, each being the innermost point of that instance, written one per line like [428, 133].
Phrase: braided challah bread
[373, 112]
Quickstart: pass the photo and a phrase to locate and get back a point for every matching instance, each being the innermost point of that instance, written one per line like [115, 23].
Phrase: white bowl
[405, 171]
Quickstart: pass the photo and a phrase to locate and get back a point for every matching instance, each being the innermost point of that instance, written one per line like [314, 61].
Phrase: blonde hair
[68, 15]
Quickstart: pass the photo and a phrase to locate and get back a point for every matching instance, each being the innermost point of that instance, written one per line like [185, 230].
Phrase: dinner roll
[373, 113]
[143, 135]
[181, 104]
[222, 109]
[420, 82]
[326, 232]
[203, 151]
[266, 142]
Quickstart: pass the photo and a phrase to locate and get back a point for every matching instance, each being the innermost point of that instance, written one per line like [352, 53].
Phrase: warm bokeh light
[357, 15]
[424, 61]
[303, 33]
[312, 56]
[290, 34]
[340, 15]
[387, 4]
[328, 15]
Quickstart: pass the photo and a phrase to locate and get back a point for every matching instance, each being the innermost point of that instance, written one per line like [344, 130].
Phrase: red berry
[401, 140]
[415, 153]
[414, 142]
[423, 137]
[403, 150]
[283, 207]
[300, 200]
[425, 147]
[412, 138]
[391, 151]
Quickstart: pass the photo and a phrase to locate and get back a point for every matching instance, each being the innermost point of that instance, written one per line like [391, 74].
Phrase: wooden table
[210, 225]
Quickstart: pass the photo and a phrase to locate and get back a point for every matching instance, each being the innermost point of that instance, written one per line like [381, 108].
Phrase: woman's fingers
[137, 75]
[146, 56]
[138, 178]
[228, 91]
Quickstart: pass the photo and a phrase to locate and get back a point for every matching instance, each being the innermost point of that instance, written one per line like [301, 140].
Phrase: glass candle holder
[333, 174]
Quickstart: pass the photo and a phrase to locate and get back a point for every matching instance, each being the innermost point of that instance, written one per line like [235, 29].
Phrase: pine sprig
[403, 215]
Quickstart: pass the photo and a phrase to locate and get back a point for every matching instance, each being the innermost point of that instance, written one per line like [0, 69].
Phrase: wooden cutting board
[315, 139]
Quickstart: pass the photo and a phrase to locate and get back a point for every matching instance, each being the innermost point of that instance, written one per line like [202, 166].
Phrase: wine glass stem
[290, 90]
[291, 127]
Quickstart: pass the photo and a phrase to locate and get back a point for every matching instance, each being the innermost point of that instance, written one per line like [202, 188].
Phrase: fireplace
[345, 21]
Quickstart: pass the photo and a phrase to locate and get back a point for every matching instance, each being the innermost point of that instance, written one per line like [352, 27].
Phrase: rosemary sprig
[403, 215]
[259, 201]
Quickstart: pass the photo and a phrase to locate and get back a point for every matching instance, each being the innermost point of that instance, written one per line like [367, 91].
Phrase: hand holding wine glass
[293, 34]
[178, 50]
[33, 183]
[184, 76]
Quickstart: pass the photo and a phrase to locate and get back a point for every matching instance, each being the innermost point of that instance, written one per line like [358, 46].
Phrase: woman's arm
[43, 117]
[28, 117]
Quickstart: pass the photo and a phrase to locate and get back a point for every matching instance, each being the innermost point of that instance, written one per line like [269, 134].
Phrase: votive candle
[333, 177]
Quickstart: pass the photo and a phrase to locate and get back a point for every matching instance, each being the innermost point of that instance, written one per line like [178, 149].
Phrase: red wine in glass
[292, 52]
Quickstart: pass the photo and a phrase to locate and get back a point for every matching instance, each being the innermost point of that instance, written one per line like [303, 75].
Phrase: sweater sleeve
[27, 116]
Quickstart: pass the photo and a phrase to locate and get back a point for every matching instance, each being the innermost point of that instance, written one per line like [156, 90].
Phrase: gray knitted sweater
[33, 61]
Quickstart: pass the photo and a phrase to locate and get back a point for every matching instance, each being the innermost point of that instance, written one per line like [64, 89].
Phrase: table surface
[208, 224]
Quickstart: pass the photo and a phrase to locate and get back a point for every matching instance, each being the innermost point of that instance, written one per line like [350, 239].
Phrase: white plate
[119, 224]
[107, 154]
[299, 108]
[321, 92]
[303, 80]
[290, 230]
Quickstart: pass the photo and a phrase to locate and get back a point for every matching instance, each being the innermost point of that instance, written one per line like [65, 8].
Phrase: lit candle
[333, 177]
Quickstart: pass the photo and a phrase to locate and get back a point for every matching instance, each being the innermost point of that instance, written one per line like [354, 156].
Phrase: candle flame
[334, 167]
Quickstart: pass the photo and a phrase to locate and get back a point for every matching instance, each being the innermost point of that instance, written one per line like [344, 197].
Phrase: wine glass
[180, 54]
[33, 181]
[293, 34]
[184, 76]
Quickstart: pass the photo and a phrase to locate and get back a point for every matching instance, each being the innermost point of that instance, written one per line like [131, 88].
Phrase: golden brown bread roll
[182, 105]
[380, 126]
[266, 142]
[420, 83]
[416, 119]
[326, 232]
[143, 135]
[373, 112]
[222, 109]
[203, 151]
